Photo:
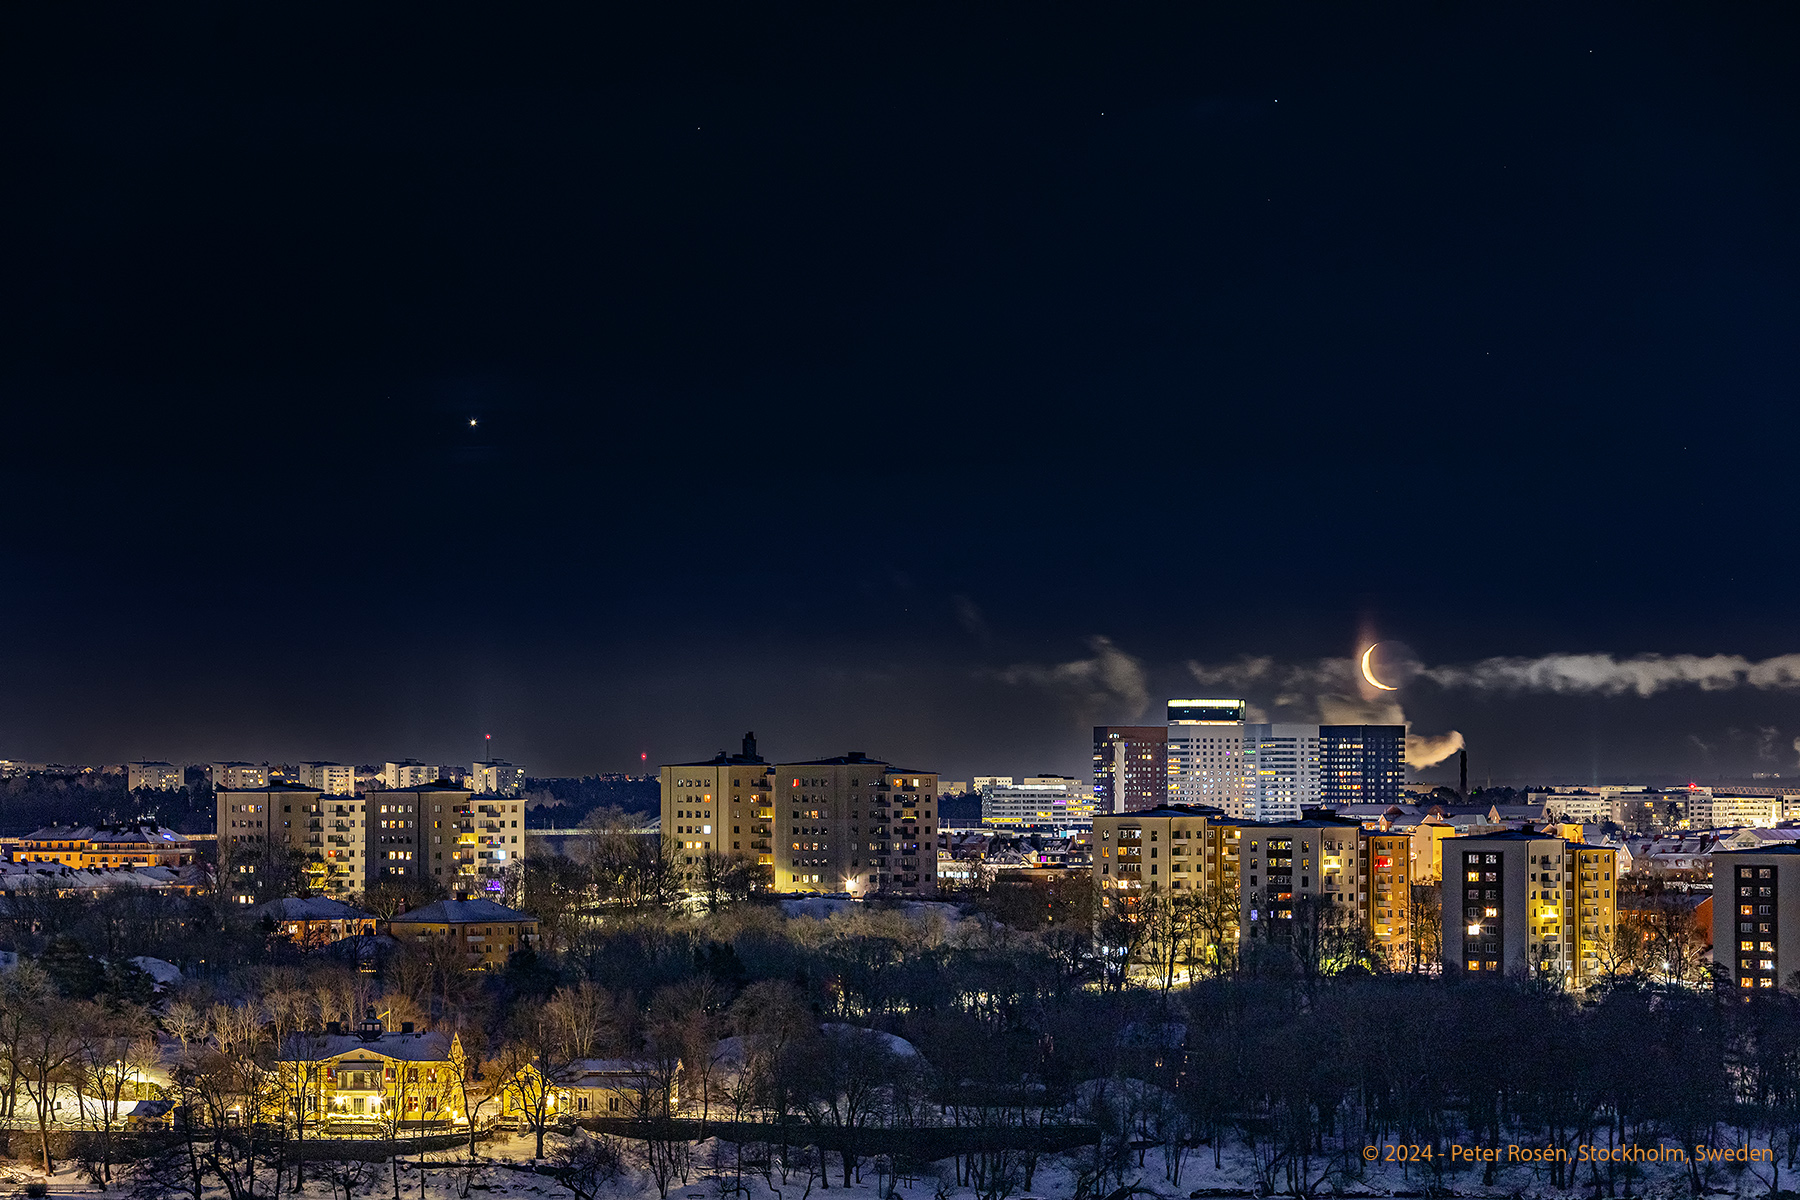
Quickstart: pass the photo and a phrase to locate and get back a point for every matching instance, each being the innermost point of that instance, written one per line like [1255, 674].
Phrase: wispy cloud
[1110, 681]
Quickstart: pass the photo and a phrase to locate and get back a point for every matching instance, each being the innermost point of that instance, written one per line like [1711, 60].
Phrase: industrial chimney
[1462, 766]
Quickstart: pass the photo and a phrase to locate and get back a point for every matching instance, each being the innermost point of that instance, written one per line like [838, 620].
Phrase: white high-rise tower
[1206, 753]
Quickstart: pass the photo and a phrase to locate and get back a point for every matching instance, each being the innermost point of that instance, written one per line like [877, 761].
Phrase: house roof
[402, 1047]
[311, 908]
[460, 912]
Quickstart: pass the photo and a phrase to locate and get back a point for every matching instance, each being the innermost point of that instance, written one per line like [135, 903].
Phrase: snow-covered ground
[502, 1172]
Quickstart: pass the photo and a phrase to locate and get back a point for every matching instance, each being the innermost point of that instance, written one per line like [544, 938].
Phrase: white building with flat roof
[1206, 753]
[1281, 771]
[334, 779]
[153, 777]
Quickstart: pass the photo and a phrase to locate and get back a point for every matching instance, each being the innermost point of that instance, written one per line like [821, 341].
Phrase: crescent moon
[1369, 674]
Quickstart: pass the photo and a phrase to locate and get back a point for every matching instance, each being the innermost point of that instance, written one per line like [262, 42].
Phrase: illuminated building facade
[1206, 754]
[153, 777]
[1035, 804]
[1280, 771]
[1521, 902]
[496, 777]
[855, 824]
[333, 779]
[1131, 767]
[1756, 916]
[1361, 764]
[722, 806]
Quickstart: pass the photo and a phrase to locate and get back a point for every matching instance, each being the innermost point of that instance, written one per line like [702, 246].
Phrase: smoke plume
[1111, 681]
[1605, 675]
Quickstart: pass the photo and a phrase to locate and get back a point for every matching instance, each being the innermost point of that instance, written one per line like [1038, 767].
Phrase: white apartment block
[1052, 805]
[237, 776]
[496, 777]
[153, 777]
[333, 779]
[1206, 754]
[1730, 810]
[1281, 771]
[408, 772]
[1575, 805]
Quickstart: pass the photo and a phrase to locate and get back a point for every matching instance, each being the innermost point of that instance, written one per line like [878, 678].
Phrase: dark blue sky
[840, 371]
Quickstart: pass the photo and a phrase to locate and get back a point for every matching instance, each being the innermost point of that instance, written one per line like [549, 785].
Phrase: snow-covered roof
[310, 908]
[401, 1047]
[460, 912]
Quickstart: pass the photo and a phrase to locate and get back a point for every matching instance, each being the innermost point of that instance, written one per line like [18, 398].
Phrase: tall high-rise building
[1131, 767]
[855, 824]
[1756, 917]
[1206, 753]
[722, 806]
[1281, 772]
[1361, 764]
[153, 777]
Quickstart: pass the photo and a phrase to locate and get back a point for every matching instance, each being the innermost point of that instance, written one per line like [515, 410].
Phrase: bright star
[471, 422]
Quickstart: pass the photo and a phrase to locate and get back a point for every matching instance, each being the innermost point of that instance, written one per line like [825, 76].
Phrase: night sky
[933, 381]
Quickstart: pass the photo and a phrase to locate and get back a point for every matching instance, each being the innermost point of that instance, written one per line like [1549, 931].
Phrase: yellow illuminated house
[591, 1087]
[474, 933]
[371, 1076]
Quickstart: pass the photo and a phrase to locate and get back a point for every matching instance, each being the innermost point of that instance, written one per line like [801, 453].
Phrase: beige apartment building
[723, 806]
[1522, 902]
[455, 837]
[257, 829]
[1267, 871]
[855, 824]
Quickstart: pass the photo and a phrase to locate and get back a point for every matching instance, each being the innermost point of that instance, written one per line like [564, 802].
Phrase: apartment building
[496, 776]
[1038, 804]
[333, 779]
[477, 933]
[153, 777]
[1528, 902]
[1736, 810]
[1180, 848]
[1756, 923]
[1318, 862]
[449, 834]
[405, 773]
[258, 829]
[89, 848]
[237, 776]
[1389, 891]
[855, 824]
[721, 806]
[1281, 765]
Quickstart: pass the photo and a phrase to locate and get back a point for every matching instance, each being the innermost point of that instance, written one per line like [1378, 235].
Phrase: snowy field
[505, 1170]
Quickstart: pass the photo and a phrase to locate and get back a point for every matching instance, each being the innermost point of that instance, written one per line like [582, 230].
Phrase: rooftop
[460, 912]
